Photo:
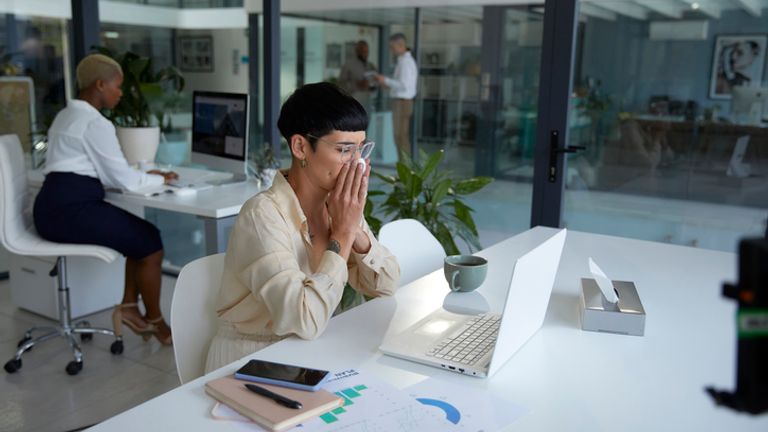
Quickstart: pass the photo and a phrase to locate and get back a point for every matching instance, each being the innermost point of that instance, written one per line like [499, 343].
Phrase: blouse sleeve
[264, 252]
[375, 273]
[103, 149]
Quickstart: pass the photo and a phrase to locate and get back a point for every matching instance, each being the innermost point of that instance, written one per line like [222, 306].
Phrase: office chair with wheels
[418, 252]
[18, 235]
[193, 314]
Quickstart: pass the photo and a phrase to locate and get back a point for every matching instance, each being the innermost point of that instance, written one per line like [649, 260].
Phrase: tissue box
[625, 317]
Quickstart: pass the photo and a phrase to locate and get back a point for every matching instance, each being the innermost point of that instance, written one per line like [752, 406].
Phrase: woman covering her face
[295, 246]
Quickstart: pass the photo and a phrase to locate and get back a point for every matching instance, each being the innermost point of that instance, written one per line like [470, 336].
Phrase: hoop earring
[303, 163]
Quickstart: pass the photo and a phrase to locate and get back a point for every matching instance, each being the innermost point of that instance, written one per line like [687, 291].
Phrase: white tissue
[605, 284]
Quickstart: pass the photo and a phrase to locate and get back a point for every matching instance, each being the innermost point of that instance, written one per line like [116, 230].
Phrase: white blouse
[84, 142]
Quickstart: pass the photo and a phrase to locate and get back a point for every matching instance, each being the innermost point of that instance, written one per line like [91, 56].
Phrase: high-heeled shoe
[168, 340]
[118, 319]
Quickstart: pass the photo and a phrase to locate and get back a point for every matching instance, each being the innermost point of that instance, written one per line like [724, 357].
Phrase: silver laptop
[478, 345]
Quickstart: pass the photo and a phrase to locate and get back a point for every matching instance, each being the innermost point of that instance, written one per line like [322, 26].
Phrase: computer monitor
[749, 105]
[220, 131]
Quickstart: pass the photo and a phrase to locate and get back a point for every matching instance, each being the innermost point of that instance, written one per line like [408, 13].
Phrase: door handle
[554, 150]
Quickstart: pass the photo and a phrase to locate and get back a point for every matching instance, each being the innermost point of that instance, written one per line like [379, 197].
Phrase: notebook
[266, 412]
[478, 345]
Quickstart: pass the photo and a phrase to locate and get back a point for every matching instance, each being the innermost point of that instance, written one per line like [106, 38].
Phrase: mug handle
[453, 282]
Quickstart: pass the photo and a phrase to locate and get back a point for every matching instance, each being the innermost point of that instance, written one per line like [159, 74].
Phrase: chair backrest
[193, 314]
[14, 205]
[418, 252]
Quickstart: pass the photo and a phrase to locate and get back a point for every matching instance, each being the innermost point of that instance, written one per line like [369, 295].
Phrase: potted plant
[266, 166]
[431, 196]
[142, 109]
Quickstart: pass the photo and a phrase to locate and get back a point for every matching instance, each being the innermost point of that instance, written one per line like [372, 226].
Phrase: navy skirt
[70, 208]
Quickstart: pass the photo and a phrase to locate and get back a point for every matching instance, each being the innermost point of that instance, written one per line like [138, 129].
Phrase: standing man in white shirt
[402, 91]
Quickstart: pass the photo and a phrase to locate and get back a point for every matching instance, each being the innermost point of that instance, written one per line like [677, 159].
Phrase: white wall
[229, 74]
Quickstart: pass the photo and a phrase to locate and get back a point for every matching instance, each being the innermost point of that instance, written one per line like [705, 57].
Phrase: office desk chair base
[66, 329]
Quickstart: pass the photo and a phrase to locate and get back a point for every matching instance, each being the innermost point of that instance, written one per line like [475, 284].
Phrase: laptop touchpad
[435, 326]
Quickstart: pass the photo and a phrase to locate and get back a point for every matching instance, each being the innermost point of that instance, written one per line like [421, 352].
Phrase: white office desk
[217, 206]
[568, 379]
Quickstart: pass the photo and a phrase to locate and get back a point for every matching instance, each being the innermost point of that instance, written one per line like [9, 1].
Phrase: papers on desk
[373, 405]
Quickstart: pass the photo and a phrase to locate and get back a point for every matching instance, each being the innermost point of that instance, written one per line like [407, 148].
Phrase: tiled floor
[42, 397]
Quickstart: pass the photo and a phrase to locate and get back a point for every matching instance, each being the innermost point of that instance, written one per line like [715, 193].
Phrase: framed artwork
[195, 53]
[737, 60]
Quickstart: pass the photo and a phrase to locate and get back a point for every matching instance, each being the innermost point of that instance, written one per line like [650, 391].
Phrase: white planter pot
[139, 144]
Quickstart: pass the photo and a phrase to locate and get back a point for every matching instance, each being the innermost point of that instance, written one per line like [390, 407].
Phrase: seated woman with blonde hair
[294, 247]
[83, 157]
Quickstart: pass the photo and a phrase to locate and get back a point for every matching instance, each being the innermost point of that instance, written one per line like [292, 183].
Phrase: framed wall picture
[195, 53]
[737, 60]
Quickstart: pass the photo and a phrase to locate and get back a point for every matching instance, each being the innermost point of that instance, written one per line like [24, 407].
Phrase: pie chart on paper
[451, 413]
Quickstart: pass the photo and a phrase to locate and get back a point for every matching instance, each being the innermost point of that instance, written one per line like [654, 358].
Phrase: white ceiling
[603, 9]
[386, 12]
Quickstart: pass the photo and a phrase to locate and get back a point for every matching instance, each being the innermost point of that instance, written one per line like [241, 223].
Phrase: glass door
[669, 100]
[477, 101]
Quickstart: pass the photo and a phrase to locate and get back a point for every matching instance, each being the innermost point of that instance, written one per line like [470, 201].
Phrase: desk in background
[217, 206]
[99, 284]
[568, 379]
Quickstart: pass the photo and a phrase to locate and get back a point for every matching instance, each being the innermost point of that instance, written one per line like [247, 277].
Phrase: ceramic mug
[465, 273]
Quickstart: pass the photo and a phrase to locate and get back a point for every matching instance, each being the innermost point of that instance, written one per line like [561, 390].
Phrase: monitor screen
[220, 124]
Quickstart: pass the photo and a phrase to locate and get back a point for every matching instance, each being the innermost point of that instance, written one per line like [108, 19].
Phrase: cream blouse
[268, 287]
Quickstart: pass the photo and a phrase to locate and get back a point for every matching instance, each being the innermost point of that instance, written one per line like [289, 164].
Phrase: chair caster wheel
[85, 337]
[116, 347]
[74, 368]
[12, 365]
[23, 341]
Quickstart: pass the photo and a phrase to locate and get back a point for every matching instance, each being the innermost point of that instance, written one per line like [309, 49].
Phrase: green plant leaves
[146, 93]
[431, 196]
[432, 163]
[472, 185]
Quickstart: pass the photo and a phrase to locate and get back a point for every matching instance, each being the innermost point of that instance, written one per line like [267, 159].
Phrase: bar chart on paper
[372, 405]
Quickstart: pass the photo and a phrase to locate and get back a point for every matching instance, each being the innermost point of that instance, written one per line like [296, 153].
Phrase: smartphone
[282, 375]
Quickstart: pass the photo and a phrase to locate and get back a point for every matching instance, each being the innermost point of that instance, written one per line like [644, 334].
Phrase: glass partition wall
[670, 102]
[32, 75]
[664, 100]
[471, 102]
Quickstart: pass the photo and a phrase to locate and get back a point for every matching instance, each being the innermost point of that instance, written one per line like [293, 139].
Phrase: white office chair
[418, 252]
[193, 314]
[18, 235]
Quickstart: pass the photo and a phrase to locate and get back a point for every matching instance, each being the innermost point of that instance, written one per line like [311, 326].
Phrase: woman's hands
[167, 175]
[345, 206]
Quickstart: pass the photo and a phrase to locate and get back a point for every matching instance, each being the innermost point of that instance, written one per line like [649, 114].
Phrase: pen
[282, 400]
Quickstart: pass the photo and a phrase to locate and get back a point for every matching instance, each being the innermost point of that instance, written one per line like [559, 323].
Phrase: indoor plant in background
[142, 108]
[431, 196]
[265, 166]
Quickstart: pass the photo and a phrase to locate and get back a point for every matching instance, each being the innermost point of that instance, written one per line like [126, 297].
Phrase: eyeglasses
[348, 151]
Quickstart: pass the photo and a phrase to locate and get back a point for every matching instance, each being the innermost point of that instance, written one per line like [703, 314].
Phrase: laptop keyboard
[471, 343]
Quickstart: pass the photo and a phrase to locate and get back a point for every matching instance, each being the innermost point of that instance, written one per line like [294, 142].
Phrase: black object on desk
[282, 400]
[751, 293]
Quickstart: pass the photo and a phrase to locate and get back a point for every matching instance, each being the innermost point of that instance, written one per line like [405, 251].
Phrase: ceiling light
[695, 6]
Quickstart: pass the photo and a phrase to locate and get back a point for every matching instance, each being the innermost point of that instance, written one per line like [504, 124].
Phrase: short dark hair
[317, 110]
[397, 37]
